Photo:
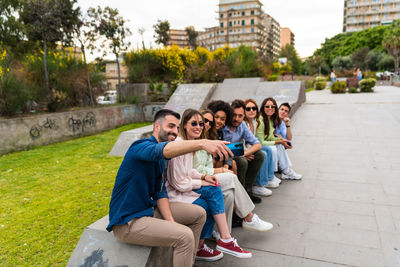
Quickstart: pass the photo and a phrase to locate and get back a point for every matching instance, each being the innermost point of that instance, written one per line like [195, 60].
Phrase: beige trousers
[183, 234]
[234, 195]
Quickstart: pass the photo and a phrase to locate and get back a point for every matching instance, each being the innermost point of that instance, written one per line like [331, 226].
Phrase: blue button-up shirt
[139, 183]
[281, 130]
[242, 132]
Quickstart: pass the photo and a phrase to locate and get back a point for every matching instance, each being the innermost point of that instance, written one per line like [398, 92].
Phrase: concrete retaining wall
[26, 132]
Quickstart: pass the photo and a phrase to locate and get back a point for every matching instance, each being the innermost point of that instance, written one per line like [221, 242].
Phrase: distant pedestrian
[333, 76]
[359, 74]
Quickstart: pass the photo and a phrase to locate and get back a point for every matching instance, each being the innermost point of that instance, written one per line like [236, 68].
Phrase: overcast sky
[310, 20]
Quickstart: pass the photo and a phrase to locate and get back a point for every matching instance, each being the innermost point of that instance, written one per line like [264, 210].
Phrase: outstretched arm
[214, 147]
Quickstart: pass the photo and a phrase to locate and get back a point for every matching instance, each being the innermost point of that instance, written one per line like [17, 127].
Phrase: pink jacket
[182, 178]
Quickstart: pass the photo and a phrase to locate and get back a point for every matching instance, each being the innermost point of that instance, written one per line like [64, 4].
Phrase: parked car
[111, 93]
[102, 100]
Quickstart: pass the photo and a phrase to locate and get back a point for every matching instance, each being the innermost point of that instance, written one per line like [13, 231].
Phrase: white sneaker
[274, 183]
[216, 235]
[257, 224]
[261, 191]
[279, 180]
[291, 175]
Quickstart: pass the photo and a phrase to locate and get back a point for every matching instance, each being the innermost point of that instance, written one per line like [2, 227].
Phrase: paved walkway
[346, 210]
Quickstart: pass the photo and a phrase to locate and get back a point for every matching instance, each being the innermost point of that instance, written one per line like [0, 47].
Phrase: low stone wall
[26, 132]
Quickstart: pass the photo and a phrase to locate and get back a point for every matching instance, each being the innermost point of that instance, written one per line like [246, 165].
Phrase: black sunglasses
[194, 124]
[269, 106]
[211, 123]
[251, 108]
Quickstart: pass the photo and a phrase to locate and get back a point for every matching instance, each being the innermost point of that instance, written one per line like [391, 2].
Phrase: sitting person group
[177, 194]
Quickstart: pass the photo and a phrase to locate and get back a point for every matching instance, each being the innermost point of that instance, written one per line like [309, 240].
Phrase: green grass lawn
[50, 194]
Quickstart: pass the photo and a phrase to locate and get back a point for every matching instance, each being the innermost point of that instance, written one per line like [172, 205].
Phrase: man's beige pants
[183, 234]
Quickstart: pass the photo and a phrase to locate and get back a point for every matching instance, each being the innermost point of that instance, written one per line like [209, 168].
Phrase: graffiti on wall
[151, 110]
[36, 130]
[80, 125]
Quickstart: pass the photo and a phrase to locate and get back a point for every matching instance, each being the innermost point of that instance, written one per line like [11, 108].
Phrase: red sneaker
[208, 254]
[233, 249]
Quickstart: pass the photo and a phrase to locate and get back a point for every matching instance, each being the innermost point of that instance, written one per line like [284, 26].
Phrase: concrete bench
[97, 247]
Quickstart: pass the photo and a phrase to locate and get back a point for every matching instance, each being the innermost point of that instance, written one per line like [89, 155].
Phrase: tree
[49, 21]
[86, 36]
[289, 52]
[359, 57]
[345, 44]
[161, 30]
[316, 64]
[192, 37]
[113, 28]
[342, 63]
[11, 30]
[391, 42]
[372, 59]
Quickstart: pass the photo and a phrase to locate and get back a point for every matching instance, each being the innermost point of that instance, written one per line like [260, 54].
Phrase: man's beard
[163, 135]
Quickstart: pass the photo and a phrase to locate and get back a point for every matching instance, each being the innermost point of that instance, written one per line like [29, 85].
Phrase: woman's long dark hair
[212, 133]
[257, 118]
[187, 115]
[275, 117]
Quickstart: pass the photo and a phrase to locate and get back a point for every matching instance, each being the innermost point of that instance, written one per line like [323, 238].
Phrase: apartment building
[243, 22]
[287, 37]
[178, 37]
[363, 14]
[273, 42]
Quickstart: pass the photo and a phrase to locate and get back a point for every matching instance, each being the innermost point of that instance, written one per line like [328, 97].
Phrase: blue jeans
[212, 200]
[266, 172]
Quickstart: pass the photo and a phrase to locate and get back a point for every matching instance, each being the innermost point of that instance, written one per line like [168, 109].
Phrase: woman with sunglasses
[265, 133]
[265, 177]
[231, 188]
[186, 184]
[222, 113]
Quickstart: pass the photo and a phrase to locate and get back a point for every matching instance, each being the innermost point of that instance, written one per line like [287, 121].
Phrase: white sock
[227, 240]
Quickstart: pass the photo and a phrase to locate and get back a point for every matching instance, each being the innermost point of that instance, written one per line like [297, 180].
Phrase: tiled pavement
[346, 210]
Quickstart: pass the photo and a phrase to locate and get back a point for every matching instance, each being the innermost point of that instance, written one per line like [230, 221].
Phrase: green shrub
[367, 85]
[13, 95]
[57, 100]
[273, 77]
[338, 87]
[320, 83]
[353, 90]
[309, 84]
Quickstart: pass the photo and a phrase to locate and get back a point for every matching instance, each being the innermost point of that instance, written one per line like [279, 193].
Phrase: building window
[222, 15]
[222, 9]
[243, 13]
[242, 22]
[252, 12]
[230, 23]
[252, 22]
[243, 30]
[222, 24]
[222, 32]
[252, 29]
[353, 2]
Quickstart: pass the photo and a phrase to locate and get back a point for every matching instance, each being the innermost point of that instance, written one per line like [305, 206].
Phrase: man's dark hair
[218, 105]
[286, 104]
[237, 103]
[162, 113]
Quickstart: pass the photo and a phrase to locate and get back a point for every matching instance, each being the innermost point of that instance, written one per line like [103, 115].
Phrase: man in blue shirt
[140, 212]
[250, 163]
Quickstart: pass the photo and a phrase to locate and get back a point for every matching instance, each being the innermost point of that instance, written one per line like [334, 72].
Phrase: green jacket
[266, 140]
